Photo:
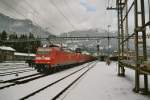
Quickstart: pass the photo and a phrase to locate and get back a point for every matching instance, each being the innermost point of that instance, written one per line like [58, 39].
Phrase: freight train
[54, 58]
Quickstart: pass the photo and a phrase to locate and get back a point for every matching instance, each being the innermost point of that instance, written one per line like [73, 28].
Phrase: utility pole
[30, 27]
[108, 41]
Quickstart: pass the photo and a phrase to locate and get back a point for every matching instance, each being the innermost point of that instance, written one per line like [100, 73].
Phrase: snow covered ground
[14, 66]
[100, 83]
[18, 91]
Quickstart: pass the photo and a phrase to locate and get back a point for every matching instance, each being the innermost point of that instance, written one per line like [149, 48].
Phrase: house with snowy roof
[6, 53]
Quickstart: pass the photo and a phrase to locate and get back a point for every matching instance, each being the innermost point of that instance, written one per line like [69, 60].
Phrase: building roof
[23, 54]
[7, 48]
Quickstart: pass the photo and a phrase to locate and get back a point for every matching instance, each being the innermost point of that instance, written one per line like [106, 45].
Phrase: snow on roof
[23, 54]
[7, 48]
[115, 51]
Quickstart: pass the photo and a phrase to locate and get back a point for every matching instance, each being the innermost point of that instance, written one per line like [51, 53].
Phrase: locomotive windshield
[43, 51]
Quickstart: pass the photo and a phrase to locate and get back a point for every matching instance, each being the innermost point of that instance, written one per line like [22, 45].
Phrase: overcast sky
[59, 16]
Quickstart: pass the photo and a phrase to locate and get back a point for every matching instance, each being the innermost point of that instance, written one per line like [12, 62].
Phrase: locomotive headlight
[38, 58]
[47, 58]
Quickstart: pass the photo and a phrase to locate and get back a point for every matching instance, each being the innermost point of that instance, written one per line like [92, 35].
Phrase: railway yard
[91, 80]
[74, 49]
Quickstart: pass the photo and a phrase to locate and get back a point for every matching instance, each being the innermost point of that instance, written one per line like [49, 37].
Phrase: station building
[6, 53]
[10, 54]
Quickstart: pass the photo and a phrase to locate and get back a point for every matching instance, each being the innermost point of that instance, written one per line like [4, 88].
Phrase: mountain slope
[20, 26]
[91, 45]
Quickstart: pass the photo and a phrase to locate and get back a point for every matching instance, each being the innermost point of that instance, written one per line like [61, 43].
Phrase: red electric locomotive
[54, 57]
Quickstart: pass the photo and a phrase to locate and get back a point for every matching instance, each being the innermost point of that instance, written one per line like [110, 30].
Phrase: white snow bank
[102, 83]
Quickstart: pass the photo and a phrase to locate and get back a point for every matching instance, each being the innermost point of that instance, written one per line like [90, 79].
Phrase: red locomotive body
[50, 58]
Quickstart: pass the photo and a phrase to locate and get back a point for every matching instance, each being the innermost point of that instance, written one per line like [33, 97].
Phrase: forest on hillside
[22, 46]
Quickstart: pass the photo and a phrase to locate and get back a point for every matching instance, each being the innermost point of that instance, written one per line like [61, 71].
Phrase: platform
[102, 83]
[144, 67]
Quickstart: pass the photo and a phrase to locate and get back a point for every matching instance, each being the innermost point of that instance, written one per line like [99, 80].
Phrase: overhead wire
[65, 17]
[2, 10]
[4, 2]
[111, 3]
[106, 12]
[69, 9]
[24, 16]
[108, 3]
[51, 26]
[17, 12]
[67, 5]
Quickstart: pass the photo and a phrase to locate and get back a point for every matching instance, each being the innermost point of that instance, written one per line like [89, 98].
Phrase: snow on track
[51, 92]
[20, 66]
[18, 91]
[8, 77]
[100, 83]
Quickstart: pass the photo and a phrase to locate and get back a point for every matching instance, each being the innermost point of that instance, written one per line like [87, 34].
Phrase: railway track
[12, 65]
[89, 66]
[4, 69]
[22, 80]
[16, 79]
[16, 72]
[71, 84]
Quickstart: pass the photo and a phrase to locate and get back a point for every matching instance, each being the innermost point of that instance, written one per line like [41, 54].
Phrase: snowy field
[11, 68]
[100, 83]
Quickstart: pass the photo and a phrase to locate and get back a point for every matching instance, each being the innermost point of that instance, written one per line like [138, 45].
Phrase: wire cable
[51, 26]
[65, 17]
[69, 9]
[4, 2]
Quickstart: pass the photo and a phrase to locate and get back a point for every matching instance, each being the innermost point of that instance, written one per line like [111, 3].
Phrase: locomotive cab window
[43, 51]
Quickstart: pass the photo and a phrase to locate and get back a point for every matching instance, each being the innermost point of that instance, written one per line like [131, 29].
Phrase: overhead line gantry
[140, 64]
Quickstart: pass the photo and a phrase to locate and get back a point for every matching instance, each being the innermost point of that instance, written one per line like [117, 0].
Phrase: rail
[55, 82]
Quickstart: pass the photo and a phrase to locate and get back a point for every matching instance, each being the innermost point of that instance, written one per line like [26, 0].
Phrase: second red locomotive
[54, 57]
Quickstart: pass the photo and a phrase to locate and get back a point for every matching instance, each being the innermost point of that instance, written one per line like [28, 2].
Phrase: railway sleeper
[45, 68]
[42, 67]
